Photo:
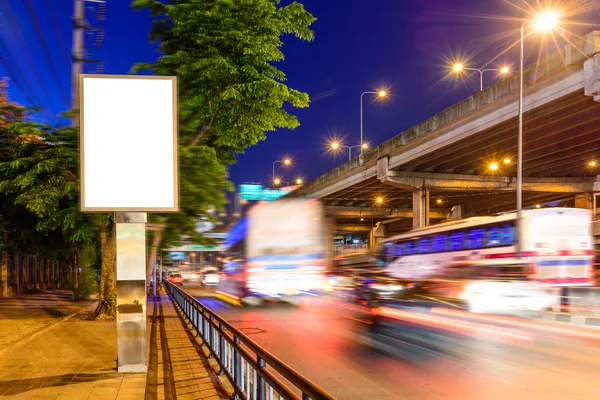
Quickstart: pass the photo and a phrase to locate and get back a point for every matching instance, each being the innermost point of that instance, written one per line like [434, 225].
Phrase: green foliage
[39, 175]
[222, 52]
[87, 284]
[230, 92]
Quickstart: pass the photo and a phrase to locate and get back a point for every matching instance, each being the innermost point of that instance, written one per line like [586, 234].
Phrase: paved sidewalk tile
[191, 378]
[24, 315]
[74, 359]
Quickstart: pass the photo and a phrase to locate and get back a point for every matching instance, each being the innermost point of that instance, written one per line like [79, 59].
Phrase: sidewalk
[22, 316]
[48, 352]
[51, 353]
[179, 372]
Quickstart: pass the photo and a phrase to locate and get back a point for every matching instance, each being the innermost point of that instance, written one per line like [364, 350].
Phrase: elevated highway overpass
[439, 169]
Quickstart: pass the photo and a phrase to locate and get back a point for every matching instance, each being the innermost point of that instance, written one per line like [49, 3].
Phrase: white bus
[480, 253]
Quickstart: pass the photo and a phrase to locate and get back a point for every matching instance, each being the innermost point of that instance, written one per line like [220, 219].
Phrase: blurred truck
[277, 252]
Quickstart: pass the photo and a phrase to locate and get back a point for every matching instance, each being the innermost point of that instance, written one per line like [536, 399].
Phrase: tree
[230, 92]
[39, 173]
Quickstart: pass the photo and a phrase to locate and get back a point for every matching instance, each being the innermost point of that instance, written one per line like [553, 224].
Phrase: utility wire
[6, 59]
[24, 49]
[44, 46]
[65, 54]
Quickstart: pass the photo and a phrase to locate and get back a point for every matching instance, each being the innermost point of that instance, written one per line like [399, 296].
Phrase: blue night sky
[402, 45]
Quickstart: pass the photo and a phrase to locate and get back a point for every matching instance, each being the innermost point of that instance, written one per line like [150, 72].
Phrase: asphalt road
[324, 340]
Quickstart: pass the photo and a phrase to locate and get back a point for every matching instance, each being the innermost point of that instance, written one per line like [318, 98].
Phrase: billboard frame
[175, 207]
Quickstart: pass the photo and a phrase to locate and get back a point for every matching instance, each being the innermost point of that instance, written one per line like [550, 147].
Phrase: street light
[379, 200]
[299, 181]
[459, 67]
[335, 145]
[276, 181]
[380, 94]
[493, 166]
[544, 22]
[286, 161]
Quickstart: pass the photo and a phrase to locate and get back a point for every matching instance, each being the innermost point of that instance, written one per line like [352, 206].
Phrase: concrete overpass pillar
[456, 213]
[421, 208]
[329, 227]
[376, 235]
[584, 200]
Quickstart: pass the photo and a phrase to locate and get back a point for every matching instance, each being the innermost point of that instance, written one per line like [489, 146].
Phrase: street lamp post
[381, 93]
[546, 22]
[458, 67]
[286, 162]
[338, 146]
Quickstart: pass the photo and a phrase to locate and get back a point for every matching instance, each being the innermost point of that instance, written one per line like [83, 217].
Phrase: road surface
[321, 339]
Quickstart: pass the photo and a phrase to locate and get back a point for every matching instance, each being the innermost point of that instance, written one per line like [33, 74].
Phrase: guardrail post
[222, 359]
[260, 383]
[238, 378]
[210, 335]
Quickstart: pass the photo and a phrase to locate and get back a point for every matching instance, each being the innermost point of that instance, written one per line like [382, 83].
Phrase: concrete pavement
[48, 351]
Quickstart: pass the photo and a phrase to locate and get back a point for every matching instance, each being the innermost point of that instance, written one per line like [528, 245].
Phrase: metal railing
[251, 370]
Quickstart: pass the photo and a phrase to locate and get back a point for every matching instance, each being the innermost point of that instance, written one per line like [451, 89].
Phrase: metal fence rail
[249, 368]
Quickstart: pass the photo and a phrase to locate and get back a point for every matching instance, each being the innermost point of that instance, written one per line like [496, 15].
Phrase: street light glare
[382, 93]
[504, 70]
[493, 166]
[439, 201]
[546, 21]
[457, 67]
[365, 146]
[277, 181]
[298, 181]
[335, 145]
[592, 163]
[506, 161]
[287, 161]
[379, 200]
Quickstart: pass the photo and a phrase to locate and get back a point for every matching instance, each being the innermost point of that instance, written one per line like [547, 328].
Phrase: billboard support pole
[131, 292]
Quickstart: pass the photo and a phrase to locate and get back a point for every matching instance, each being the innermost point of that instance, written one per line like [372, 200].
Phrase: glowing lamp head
[504, 70]
[457, 67]
[277, 181]
[506, 161]
[298, 181]
[439, 201]
[538, 206]
[493, 167]
[365, 146]
[382, 93]
[379, 200]
[592, 163]
[546, 21]
[287, 161]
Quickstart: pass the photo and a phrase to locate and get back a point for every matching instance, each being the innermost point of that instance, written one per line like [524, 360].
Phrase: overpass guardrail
[252, 371]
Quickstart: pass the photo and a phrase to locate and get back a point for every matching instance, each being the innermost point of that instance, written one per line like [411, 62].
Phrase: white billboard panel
[128, 143]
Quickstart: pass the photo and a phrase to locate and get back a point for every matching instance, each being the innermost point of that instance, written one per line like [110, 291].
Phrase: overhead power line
[24, 49]
[44, 46]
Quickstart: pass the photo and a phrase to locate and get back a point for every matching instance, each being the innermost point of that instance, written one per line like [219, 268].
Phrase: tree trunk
[107, 296]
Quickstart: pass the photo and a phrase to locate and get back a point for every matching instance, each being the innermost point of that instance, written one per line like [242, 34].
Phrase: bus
[476, 260]
[276, 252]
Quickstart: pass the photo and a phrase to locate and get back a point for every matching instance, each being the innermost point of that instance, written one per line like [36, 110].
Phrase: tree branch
[204, 129]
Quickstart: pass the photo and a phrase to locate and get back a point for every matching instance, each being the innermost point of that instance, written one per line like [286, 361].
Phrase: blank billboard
[128, 143]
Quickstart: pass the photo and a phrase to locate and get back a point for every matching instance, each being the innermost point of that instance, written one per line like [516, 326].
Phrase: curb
[572, 319]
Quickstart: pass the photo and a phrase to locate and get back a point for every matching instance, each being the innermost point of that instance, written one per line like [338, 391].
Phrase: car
[175, 279]
[211, 278]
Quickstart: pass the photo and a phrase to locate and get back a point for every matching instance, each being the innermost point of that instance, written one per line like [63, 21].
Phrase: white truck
[277, 252]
